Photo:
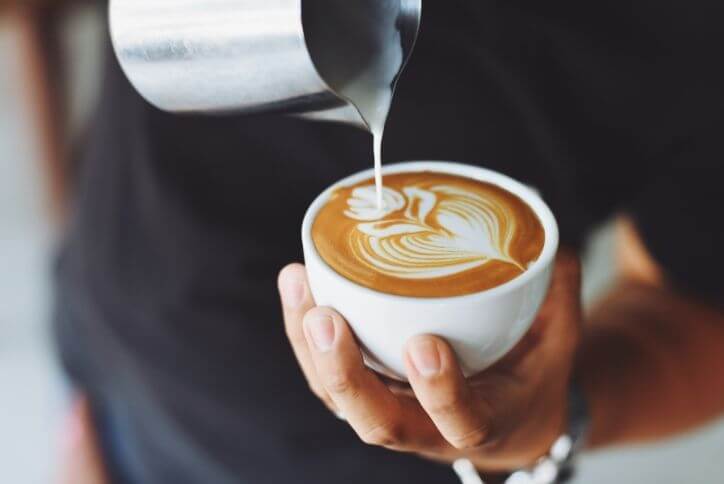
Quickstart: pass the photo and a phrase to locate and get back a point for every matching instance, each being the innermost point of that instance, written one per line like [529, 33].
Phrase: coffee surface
[437, 235]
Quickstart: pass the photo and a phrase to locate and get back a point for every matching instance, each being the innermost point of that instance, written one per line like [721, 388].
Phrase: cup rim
[529, 195]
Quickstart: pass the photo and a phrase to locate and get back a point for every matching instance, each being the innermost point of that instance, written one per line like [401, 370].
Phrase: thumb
[81, 461]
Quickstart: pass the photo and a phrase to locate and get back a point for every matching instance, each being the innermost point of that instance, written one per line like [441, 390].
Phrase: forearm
[652, 365]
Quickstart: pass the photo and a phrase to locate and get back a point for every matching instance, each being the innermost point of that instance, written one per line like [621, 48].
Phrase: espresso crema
[437, 235]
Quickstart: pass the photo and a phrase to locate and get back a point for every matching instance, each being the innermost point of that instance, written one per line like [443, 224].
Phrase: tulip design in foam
[422, 233]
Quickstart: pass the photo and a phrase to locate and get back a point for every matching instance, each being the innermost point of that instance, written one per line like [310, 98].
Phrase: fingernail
[425, 356]
[292, 291]
[321, 330]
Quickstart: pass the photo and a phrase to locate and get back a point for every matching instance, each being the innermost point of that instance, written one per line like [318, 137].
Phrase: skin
[646, 356]
[651, 357]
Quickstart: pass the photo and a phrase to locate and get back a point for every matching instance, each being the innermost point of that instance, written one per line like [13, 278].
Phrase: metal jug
[247, 56]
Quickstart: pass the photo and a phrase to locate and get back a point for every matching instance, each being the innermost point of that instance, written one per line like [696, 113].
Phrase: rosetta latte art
[443, 230]
[436, 235]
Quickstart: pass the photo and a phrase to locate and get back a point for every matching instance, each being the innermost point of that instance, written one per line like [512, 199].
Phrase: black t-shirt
[167, 301]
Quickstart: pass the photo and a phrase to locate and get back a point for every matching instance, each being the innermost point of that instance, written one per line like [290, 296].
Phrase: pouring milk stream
[367, 57]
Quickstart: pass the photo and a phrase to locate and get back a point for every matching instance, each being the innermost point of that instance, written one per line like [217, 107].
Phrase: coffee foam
[434, 235]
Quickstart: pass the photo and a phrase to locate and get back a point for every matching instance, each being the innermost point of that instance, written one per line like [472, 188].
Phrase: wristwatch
[558, 466]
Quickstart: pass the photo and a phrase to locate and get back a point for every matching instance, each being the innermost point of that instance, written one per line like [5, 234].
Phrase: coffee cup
[481, 327]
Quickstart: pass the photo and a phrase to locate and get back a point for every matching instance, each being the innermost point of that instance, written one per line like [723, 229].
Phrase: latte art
[433, 235]
[442, 231]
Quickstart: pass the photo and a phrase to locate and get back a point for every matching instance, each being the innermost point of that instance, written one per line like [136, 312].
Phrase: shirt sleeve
[679, 216]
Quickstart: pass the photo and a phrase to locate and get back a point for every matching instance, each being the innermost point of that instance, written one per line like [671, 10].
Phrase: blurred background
[33, 394]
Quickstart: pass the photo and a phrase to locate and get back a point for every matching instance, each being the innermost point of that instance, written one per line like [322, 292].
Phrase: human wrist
[595, 382]
[557, 464]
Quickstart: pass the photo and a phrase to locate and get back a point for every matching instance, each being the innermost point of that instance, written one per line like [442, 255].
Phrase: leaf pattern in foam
[420, 203]
[469, 232]
[388, 228]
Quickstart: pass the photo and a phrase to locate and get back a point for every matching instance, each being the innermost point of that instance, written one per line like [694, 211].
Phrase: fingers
[442, 391]
[374, 412]
[296, 301]
[332, 363]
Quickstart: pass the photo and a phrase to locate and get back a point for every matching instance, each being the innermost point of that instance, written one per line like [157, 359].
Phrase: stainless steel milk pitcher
[246, 56]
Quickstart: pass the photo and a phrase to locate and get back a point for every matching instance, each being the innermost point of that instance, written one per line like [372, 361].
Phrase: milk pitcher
[250, 56]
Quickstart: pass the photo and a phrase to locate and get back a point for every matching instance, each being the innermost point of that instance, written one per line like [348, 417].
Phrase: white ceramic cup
[481, 327]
